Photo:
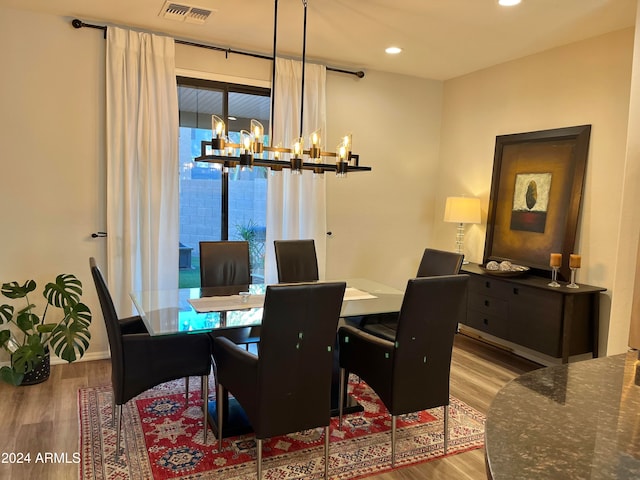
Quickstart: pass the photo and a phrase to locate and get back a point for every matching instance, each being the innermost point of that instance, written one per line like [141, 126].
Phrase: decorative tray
[515, 271]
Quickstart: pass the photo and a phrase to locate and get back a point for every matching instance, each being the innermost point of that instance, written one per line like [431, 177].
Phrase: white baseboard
[86, 358]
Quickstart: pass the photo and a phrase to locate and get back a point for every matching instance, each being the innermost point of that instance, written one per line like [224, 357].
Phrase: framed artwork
[536, 193]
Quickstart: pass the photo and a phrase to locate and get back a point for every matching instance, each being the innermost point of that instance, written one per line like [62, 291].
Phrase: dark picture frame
[536, 195]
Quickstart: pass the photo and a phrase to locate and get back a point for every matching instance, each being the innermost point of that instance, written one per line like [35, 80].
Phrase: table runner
[234, 302]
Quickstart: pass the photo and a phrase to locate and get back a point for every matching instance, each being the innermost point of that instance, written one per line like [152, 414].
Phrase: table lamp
[462, 210]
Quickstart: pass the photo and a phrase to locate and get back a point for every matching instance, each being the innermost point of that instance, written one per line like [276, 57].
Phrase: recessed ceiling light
[508, 3]
[393, 50]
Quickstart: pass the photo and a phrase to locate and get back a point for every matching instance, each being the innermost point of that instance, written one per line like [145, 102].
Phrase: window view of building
[219, 204]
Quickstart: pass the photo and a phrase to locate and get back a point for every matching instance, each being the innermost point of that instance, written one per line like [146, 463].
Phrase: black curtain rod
[79, 24]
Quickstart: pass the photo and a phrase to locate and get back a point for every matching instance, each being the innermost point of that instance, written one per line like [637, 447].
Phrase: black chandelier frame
[252, 156]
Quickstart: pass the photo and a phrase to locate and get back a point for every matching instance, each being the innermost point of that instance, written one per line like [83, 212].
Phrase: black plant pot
[40, 372]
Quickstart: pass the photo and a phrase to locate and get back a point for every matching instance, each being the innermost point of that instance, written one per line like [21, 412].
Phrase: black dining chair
[411, 372]
[286, 387]
[226, 264]
[433, 263]
[140, 361]
[439, 262]
[296, 260]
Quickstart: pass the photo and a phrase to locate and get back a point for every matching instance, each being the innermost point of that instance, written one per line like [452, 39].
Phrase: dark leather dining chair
[140, 361]
[226, 264]
[434, 263]
[286, 387]
[411, 372]
[439, 262]
[296, 260]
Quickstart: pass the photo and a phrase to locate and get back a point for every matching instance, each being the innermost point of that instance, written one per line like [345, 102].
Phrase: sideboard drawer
[487, 305]
[489, 286]
[487, 323]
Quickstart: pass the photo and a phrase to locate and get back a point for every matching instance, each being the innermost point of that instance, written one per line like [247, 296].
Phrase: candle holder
[554, 277]
[573, 283]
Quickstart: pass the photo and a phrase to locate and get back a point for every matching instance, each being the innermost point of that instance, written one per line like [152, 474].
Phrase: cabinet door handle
[486, 303]
[516, 291]
[487, 284]
[485, 321]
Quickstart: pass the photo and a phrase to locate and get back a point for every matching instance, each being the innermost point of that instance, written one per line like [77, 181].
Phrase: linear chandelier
[252, 151]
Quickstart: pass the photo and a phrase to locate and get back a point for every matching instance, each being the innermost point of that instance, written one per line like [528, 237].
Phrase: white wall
[210, 64]
[381, 220]
[52, 185]
[626, 287]
[582, 83]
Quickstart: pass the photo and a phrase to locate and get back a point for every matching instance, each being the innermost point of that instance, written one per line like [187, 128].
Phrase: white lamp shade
[462, 210]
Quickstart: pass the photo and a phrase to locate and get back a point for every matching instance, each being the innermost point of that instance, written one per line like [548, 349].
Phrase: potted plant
[28, 337]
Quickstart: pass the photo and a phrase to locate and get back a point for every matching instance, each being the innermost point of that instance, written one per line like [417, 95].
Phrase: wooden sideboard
[524, 310]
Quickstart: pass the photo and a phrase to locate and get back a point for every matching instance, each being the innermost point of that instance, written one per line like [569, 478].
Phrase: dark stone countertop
[574, 421]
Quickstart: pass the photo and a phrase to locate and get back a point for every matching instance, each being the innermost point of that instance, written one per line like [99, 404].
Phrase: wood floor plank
[478, 371]
[43, 418]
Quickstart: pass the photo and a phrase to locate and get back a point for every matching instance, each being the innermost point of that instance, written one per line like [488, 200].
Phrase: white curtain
[296, 204]
[142, 164]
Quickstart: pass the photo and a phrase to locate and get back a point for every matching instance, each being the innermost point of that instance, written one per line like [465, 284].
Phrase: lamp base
[460, 242]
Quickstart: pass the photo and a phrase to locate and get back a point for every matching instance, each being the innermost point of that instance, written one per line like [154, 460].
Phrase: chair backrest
[295, 363]
[112, 323]
[439, 262]
[224, 263]
[296, 260]
[430, 312]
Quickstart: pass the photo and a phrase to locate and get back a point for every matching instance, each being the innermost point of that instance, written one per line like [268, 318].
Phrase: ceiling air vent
[185, 13]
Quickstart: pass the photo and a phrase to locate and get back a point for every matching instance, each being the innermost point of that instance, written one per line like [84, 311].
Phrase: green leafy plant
[250, 233]
[27, 336]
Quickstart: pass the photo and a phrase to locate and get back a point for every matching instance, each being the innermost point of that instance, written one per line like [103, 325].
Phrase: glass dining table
[219, 310]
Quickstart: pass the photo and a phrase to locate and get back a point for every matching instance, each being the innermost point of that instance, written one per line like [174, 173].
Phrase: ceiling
[441, 39]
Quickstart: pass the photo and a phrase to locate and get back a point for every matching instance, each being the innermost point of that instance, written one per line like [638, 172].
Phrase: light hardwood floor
[43, 418]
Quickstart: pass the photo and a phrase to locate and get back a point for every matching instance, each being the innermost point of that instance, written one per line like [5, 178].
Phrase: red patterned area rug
[163, 440]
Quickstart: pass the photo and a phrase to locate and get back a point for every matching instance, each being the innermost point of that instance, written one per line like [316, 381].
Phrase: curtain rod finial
[76, 23]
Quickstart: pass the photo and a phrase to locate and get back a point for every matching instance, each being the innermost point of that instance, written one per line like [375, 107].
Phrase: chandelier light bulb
[246, 157]
[315, 148]
[258, 136]
[218, 129]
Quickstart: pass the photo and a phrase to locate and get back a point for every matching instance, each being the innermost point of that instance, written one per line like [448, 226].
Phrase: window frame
[226, 88]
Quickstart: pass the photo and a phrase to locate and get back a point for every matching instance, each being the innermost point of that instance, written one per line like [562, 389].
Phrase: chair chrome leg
[326, 452]
[113, 410]
[393, 441]
[259, 457]
[446, 428]
[219, 393]
[186, 391]
[118, 425]
[205, 406]
[340, 397]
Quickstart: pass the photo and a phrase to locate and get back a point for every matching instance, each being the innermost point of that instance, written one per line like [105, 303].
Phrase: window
[216, 204]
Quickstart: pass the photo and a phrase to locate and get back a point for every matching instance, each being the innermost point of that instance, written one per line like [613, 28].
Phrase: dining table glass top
[198, 310]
